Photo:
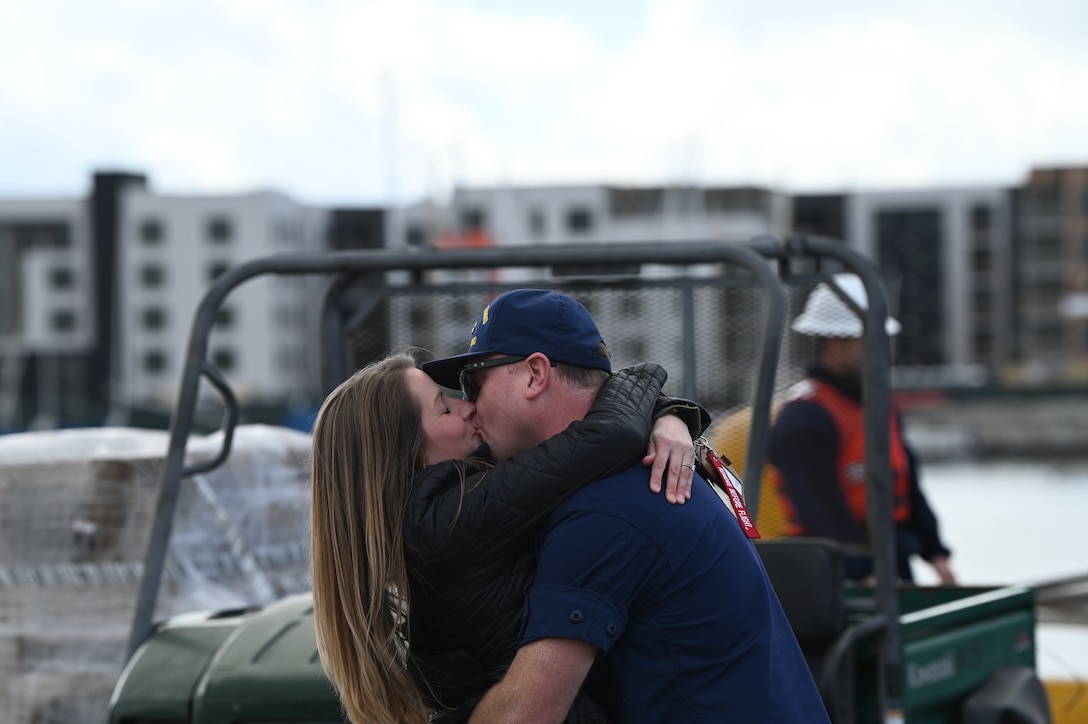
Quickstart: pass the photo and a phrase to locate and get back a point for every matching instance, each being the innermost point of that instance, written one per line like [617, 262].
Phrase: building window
[415, 236]
[152, 276]
[63, 320]
[219, 230]
[35, 235]
[735, 199]
[908, 247]
[62, 278]
[154, 318]
[473, 219]
[224, 318]
[984, 345]
[1048, 337]
[537, 223]
[579, 220]
[217, 269]
[984, 301]
[1047, 295]
[154, 362]
[151, 231]
[1051, 287]
[223, 358]
[1047, 247]
[981, 217]
[62, 236]
[1042, 202]
[636, 202]
[981, 260]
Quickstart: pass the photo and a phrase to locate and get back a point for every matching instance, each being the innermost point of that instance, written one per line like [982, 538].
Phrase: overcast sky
[371, 101]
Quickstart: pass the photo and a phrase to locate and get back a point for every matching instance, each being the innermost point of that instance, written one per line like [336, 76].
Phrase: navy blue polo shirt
[678, 600]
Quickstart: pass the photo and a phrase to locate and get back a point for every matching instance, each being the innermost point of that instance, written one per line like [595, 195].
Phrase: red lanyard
[731, 483]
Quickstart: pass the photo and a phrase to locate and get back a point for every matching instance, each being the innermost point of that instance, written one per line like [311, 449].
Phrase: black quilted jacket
[471, 556]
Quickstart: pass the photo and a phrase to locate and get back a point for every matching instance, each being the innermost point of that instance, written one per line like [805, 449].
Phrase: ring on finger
[689, 466]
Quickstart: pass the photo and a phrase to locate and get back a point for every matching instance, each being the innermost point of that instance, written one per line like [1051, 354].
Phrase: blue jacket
[677, 599]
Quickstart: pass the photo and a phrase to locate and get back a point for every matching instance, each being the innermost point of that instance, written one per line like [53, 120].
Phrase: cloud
[353, 101]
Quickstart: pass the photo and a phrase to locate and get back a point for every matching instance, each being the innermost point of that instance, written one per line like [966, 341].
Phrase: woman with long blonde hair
[422, 549]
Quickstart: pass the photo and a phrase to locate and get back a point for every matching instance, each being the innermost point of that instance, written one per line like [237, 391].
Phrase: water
[1016, 522]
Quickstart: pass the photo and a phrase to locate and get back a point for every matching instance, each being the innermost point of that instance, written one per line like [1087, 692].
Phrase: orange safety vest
[848, 418]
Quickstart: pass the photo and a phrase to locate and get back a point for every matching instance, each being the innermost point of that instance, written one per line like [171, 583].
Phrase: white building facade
[637, 325]
[98, 294]
[46, 305]
[172, 248]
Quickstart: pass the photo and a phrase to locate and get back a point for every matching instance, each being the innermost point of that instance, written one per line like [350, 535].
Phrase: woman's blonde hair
[367, 443]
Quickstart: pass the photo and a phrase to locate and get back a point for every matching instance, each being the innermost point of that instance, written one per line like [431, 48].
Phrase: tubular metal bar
[876, 391]
[833, 661]
[763, 391]
[333, 351]
[229, 423]
[679, 253]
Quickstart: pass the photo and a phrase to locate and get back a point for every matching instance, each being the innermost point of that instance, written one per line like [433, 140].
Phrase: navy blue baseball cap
[524, 321]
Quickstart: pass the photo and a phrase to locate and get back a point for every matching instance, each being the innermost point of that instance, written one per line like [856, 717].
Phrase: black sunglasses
[469, 388]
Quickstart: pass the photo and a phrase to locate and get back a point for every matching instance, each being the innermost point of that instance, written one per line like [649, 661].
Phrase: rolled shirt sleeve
[566, 612]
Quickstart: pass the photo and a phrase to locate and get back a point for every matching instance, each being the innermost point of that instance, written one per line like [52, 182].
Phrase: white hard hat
[826, 315]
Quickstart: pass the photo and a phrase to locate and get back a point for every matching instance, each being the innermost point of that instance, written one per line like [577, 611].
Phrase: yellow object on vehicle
[730, 438]
[1068, 701]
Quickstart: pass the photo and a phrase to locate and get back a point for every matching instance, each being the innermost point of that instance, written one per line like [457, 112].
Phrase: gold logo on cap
[486, 310]
[472, 343]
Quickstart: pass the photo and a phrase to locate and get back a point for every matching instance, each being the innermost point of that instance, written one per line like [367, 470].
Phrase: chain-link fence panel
[707, 331]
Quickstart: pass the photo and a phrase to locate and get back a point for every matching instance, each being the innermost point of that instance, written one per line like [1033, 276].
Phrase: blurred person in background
[422, 547]
[817, 446]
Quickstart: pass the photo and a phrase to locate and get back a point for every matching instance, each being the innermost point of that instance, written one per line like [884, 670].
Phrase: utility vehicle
[714, 313]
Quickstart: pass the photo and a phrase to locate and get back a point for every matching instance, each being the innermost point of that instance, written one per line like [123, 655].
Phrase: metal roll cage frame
[759, 255]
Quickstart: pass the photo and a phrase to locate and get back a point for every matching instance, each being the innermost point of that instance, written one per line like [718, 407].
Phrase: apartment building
[945, 258]
[574, 214]
[991, 283]
[47, 321]
[97, 293]
[171, 249]
[1049, 284]
[97, 296]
